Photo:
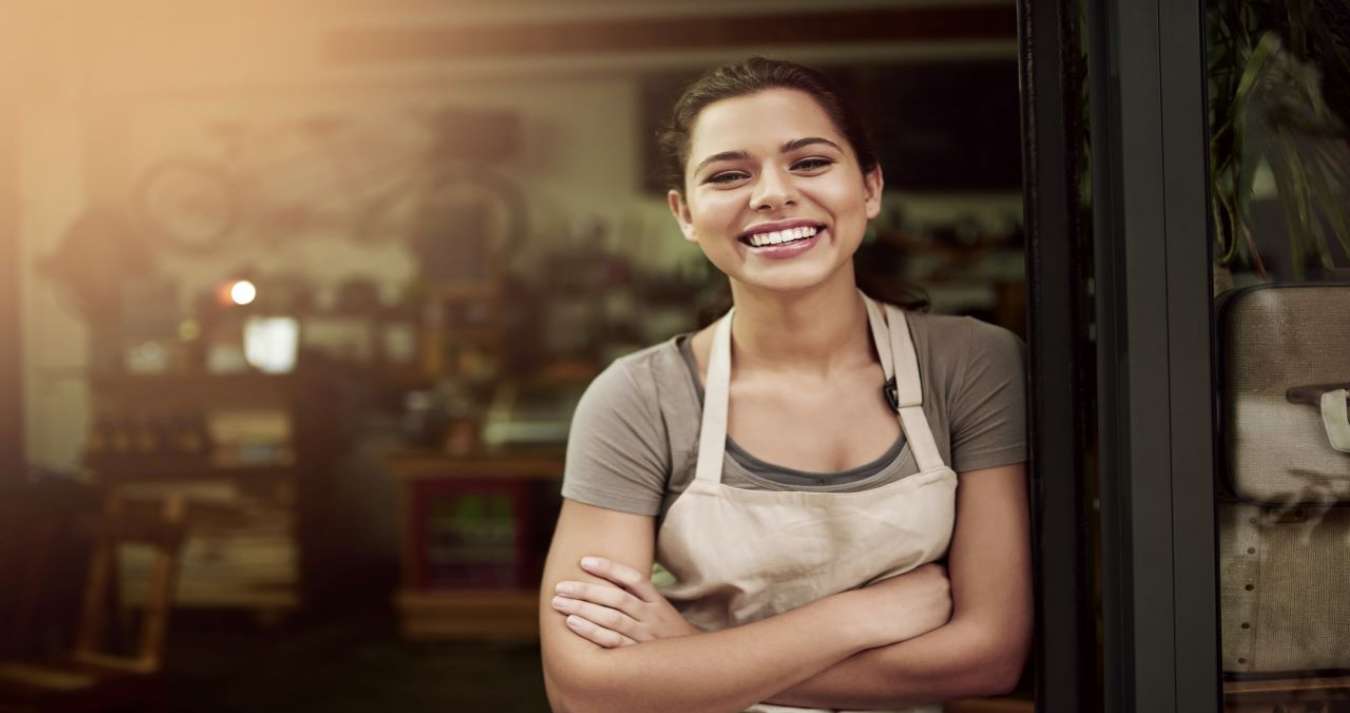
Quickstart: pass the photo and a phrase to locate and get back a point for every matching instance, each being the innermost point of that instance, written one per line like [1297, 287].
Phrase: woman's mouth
[780, 237]
[784, 243]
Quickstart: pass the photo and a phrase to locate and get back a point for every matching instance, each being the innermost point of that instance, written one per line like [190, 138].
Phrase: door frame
[1155, 355]
[1061, 357]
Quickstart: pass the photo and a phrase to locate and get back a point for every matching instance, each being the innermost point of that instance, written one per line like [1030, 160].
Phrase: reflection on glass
[1279, 84]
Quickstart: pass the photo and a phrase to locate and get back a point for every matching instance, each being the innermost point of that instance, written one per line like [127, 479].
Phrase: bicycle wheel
[469, 225]
[495, 203]
[391, 215]
[189, 203]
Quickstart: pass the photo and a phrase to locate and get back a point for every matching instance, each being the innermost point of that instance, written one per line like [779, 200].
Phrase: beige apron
[740, 555]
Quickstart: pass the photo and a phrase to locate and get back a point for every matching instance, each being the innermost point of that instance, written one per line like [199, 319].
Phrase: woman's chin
[785, 278]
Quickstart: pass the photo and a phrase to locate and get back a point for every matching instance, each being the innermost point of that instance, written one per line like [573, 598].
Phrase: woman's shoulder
[635, 379]
[952, 334]
[650, 360]
[963, 355]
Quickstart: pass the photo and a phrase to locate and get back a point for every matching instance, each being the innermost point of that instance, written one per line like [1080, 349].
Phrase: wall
[125, 88]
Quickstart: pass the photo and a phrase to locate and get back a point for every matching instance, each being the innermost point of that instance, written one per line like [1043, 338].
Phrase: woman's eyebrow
[724, 156]
[795, 144]
[792, 145]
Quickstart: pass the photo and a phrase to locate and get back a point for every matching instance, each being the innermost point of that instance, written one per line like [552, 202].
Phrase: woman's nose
[772, 191]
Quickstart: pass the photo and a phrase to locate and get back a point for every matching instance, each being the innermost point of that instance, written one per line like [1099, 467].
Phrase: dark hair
[748, 77]
[876, 267]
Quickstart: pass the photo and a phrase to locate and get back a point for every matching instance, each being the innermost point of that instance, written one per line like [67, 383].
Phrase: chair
[93, 678]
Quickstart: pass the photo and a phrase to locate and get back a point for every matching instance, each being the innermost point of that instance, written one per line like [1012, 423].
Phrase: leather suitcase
[1284, 522]
[1285, 368]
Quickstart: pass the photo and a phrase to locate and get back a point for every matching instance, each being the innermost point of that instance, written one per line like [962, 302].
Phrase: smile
[780, 237]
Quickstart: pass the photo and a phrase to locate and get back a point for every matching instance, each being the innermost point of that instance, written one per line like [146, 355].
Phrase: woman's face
[773, 192]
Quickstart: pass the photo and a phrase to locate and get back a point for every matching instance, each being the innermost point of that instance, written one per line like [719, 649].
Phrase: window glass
[1279, 90]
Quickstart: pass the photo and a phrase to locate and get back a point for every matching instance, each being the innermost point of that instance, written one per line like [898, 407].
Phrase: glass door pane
[1279, 92]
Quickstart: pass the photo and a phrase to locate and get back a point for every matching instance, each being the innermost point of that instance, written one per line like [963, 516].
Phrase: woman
[804, 574]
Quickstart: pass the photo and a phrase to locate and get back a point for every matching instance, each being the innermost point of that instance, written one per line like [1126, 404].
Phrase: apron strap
[877, 320]
[712, 434]
[909, 392]
[899, 363]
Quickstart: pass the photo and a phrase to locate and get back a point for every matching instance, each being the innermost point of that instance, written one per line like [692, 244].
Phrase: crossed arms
[875, 647]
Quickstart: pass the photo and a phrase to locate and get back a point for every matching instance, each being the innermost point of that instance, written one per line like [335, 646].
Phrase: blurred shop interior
[309, 291]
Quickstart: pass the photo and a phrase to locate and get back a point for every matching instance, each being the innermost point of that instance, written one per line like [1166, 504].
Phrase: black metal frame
[1150, 196]
[1067, 679]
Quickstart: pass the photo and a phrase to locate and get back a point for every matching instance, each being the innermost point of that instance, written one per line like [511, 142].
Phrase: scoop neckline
[738, 452]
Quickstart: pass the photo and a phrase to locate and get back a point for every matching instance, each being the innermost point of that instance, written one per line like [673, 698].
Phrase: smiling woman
[824, 552]
[771, 147]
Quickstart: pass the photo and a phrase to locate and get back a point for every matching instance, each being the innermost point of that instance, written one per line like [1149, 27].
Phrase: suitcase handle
[1336, 418]
[1311, 395]
[1331, 400]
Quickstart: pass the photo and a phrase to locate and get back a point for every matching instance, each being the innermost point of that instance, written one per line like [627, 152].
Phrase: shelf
[183, 468]
[413, 465]
[493, 615]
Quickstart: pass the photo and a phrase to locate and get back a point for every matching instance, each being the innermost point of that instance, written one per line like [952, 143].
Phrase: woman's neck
[821, 330]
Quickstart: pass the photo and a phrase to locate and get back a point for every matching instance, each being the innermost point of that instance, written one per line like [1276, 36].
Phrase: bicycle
[335, 175]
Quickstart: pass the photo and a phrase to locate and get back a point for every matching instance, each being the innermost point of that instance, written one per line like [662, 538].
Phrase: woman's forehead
[764, 120]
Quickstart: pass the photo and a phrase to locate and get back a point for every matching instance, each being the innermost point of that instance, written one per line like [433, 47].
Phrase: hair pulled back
[749, 76]
[877, 266]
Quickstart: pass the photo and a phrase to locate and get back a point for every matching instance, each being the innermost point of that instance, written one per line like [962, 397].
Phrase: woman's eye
[725, 177]
[812, 164]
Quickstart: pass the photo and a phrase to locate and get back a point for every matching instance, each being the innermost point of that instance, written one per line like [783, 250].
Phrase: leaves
[1268, 105]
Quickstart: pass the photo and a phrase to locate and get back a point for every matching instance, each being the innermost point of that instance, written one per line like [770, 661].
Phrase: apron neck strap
[899, 363]
[712, 436]
[876, 319]
[903, 383]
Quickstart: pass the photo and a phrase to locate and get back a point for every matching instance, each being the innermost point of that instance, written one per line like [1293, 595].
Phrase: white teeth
[781, 236]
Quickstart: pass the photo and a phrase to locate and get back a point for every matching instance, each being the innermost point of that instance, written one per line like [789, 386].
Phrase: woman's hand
[628, 613]
[905, 606]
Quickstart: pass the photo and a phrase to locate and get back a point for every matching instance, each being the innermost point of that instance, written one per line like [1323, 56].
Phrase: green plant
[1280, 72]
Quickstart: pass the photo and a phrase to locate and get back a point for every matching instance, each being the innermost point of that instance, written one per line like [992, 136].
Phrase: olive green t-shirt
[633, 444]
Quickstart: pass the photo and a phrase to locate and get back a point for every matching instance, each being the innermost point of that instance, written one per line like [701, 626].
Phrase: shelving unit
[243, 446]
[475, 533]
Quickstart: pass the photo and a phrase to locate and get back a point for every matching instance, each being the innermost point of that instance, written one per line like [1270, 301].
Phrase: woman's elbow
[1003, 667]
[1000, 680]
[570, 697]
[559, 699]
[567, 692]
[578, 688]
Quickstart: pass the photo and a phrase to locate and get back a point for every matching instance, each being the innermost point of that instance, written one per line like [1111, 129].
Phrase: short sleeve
[987, 407]
[618, 454]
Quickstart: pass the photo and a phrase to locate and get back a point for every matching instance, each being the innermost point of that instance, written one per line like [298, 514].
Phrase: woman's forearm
[727, 670]
[963, 658]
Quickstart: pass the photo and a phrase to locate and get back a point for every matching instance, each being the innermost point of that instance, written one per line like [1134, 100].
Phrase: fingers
[600, 594]
[622, 575]
[597, 634]
[603, 617]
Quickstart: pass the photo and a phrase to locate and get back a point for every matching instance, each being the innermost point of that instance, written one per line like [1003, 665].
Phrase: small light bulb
[243, 292]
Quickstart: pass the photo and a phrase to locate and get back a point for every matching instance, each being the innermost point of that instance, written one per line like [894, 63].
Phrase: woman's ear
[873, 183]
[680, 209]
